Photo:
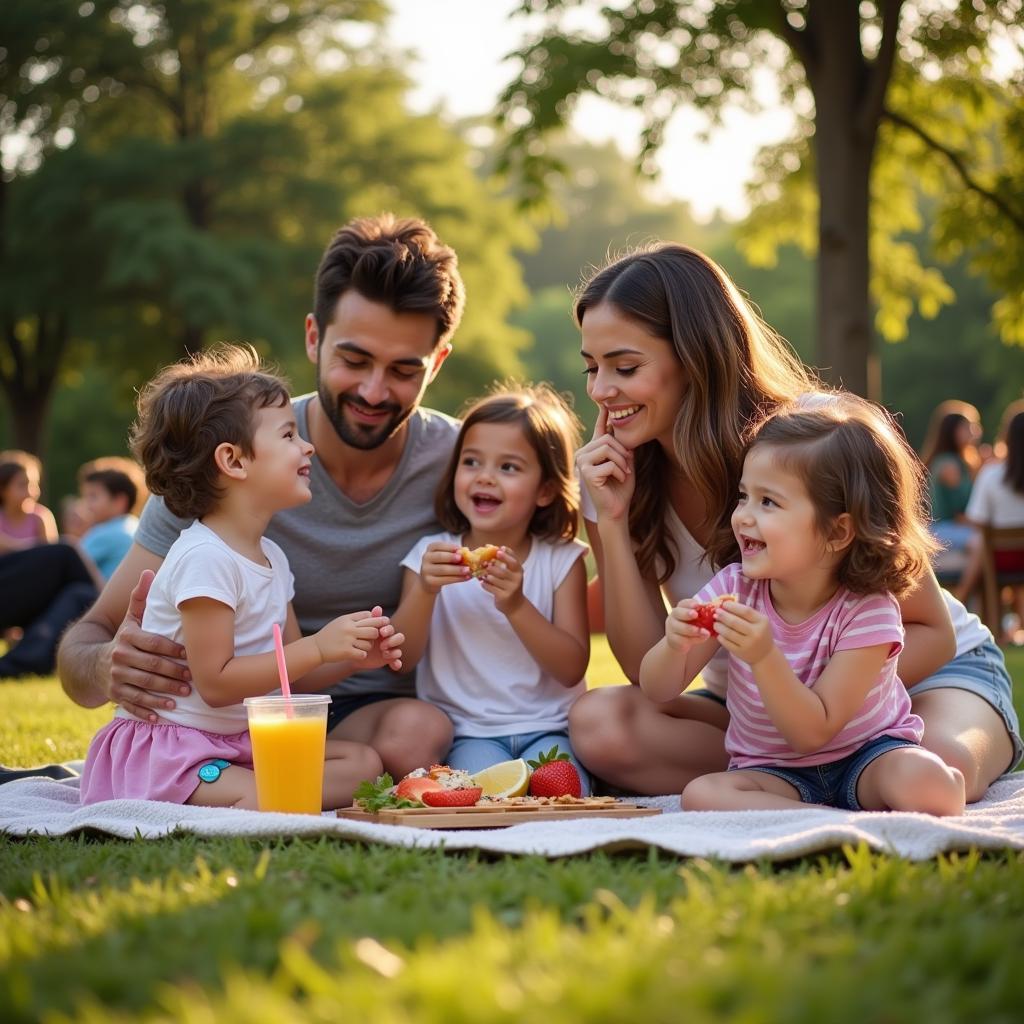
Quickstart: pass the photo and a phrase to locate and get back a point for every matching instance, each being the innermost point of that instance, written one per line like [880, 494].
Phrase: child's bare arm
[441, 566]
[807, 717]
[223, 679]
[674, 661]
[561, 647]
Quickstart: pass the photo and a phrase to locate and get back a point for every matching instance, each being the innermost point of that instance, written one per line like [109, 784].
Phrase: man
[388, 299]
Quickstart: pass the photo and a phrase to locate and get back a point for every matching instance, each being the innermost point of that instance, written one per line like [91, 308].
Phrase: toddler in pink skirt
[219, 442]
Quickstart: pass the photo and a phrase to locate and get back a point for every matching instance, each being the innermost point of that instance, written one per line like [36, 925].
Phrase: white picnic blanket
[43, 807]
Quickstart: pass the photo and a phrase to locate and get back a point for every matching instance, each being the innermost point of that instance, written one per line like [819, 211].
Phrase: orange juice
[288, 756]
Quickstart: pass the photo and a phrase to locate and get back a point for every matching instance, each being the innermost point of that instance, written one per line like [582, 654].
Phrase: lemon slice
[504, 779]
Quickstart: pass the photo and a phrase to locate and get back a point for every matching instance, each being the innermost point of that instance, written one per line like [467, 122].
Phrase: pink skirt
[155, 760]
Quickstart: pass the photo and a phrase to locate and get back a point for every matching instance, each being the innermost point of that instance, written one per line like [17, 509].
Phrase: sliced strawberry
[413, 789]
[453, 797]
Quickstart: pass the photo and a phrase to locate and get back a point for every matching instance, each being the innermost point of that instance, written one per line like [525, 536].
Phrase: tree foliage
[205, 171]
[922, 70]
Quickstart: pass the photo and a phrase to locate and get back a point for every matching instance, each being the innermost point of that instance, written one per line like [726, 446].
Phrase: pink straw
[282, 668]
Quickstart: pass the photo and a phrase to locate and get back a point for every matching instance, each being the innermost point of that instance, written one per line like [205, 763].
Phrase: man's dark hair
[401, 264]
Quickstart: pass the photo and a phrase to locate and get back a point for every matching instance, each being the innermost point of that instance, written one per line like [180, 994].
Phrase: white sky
[460, 45]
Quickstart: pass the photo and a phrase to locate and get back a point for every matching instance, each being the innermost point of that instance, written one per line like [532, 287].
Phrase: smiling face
[278, 471]
[775, 521]
[498, 482]
[635, 377]
[373, 366]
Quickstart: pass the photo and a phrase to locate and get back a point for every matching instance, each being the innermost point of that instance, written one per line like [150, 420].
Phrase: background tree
[199, 189]
[834, 61]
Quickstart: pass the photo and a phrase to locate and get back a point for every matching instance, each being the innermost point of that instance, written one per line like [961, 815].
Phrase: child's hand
[504, 581]
[681, 631]
[442, 564]
[350, 637]
[388, 648]
[744, 632]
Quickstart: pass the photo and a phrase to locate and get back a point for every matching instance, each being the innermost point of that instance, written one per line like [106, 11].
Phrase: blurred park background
[172, 171]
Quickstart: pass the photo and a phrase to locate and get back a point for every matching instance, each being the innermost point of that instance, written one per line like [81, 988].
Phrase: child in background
[503, 655]
[218, 439]
[24, 522]
[113, 492]
[829, 525]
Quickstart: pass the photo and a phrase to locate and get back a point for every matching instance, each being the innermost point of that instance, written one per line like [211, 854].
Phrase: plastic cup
[288, 736]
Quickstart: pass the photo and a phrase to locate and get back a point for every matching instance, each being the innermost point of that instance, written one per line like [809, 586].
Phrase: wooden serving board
[493, 817]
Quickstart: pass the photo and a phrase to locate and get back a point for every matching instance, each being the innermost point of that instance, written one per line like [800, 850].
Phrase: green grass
[96, 929]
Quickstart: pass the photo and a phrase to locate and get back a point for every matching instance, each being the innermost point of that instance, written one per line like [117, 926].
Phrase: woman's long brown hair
[737, 371]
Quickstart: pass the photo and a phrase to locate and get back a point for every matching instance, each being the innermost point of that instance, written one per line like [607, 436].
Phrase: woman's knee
[413, 731]
[601, 724]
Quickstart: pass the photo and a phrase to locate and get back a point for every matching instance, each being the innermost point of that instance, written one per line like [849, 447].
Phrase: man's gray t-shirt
[347, 557]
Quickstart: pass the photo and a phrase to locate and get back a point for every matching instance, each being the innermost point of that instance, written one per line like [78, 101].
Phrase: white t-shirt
[475, 668]
[993, 502]
[200, 564]
[692, 572]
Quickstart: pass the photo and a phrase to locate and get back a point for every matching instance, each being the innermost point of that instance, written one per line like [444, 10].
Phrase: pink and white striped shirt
[846, 622]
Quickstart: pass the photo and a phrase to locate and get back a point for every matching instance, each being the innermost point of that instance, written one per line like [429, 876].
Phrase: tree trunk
[30, 384]
[846, 127]
[845, 338]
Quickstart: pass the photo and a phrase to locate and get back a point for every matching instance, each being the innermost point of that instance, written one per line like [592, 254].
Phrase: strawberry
[452, 797]
[706, 612]
[554, 775]
[413, 789]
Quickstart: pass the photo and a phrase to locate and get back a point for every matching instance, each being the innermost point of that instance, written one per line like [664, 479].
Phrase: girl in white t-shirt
[827, 526]
[503, 654]
[218, 439]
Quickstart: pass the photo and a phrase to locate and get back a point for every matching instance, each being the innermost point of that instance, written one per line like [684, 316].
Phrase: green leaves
[375, 795]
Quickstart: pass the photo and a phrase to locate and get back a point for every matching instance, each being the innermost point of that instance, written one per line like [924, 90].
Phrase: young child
[829, 525]
[24, 522]
[503, 654]
[218, 440]
[111, 490]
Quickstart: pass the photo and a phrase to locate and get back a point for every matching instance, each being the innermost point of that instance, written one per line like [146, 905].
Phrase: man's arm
[106, 655]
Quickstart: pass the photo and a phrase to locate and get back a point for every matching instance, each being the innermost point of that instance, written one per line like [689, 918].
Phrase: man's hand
[744, 632]
[144, 668]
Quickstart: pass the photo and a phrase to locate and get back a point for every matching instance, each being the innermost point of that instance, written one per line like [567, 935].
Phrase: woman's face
[633, 376]
[967, 433]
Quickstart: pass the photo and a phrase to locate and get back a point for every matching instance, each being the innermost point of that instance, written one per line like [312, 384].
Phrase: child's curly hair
[853, 458]
[189, 409]
[553, 431]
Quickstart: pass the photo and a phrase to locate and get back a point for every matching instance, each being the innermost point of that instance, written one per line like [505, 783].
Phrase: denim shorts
[703, 691]
[983, 673]
[833, 784]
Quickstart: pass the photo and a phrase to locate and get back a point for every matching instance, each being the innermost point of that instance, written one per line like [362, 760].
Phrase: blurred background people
[24, 522]
[113, 492]
[950, 454]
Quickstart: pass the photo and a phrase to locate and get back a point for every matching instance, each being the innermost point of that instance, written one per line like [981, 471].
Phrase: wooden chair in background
[993, 579]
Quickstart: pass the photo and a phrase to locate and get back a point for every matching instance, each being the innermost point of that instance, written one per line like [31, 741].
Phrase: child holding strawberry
[504, 652]
[828, 525]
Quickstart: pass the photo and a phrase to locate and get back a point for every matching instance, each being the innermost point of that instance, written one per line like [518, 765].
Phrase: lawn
[225, 930]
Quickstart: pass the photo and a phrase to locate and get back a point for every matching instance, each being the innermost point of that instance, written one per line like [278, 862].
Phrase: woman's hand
[442, 564]
[605, 466]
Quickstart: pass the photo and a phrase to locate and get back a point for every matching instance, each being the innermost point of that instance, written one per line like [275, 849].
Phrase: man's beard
[360, 435]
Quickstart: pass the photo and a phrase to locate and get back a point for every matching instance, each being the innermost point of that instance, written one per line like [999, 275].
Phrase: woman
[682, 371]
[950, 454]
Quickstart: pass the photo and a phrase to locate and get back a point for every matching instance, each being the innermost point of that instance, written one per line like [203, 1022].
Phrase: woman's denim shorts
[833, 784]
[981, 671]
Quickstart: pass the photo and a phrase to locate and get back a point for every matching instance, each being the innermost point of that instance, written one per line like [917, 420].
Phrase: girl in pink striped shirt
[828, 526]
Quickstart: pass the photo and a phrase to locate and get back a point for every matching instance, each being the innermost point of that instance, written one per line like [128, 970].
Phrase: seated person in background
[24, 522]
[997, 500]
[113, 492]
[950, 452]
